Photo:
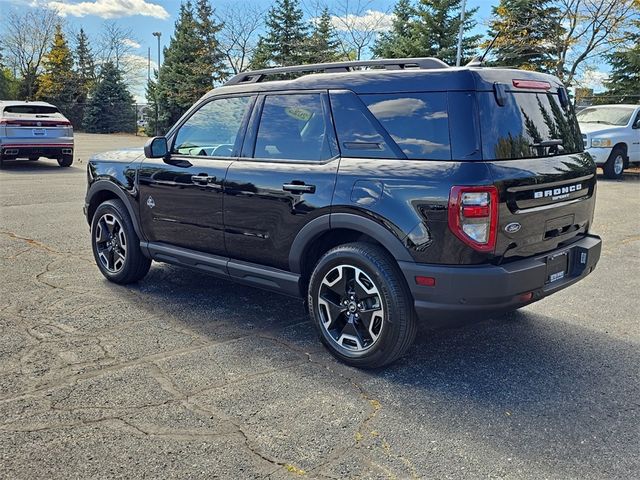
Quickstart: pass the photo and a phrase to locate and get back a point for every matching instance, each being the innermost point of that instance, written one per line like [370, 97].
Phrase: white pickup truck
[611, 134]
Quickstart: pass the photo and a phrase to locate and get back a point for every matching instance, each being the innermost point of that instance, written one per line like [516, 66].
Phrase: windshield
[606, 115]
[31, 109]
[528, 125]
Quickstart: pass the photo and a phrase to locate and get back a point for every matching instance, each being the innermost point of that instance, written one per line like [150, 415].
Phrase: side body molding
[320, 225]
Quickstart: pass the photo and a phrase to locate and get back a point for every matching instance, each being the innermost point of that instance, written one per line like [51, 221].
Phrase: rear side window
[31, 109]
[293, 127]
[528, 125]
[417, 122]
[358, 134]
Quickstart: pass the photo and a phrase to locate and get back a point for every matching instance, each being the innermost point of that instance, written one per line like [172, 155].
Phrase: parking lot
[187, 376]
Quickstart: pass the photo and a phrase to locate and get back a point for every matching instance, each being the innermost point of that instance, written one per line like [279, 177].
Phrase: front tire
[361, 306]
[614, 167]
[115, 244]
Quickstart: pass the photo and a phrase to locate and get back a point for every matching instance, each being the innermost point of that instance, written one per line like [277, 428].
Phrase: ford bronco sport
[383, 192]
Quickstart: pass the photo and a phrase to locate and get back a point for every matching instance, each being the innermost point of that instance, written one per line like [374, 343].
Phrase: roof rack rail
[257, 76]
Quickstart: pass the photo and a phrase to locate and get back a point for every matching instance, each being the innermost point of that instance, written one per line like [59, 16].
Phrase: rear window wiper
[554, 142]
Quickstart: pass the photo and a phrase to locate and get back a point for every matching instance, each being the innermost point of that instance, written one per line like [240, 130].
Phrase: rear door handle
[202, 179]
[298, 187]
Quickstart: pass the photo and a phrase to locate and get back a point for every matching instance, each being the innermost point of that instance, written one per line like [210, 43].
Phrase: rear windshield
[31, 109]
[606, 115]
[529, 125]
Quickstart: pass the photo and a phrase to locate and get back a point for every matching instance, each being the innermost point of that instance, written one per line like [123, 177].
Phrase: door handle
[202, 179]
[298, 187]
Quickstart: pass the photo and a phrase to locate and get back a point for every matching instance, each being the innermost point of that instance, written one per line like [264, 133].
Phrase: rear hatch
[533, 148]
[34, 124]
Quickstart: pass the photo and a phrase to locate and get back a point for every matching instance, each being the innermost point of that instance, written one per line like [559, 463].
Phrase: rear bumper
[460, 289]
[25, 150]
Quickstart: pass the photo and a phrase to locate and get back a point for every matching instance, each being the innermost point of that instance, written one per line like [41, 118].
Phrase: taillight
[473, 216]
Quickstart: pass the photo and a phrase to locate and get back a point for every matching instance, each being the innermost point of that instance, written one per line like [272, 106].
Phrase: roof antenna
[479, 61]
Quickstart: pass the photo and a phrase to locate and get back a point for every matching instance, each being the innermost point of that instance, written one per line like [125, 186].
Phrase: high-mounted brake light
[532, 84]
[473, 216]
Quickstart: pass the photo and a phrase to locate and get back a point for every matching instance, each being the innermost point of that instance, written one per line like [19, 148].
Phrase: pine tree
[8, 84]
[322, 45]
[59, 84]
[110, 107]
[192, 62]
[526, 31]
[286, 38]
[624, 80]
[429, 29]
[85, 63]
[397, 42]
[211, 65]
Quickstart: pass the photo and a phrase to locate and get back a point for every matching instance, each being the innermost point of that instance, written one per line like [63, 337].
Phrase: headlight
[600, 142]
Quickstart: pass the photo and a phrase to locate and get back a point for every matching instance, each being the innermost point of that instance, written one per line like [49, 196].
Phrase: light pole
[157, 34]
[459, 53]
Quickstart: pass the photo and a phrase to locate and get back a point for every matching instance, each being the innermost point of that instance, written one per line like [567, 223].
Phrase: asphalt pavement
[187, 376]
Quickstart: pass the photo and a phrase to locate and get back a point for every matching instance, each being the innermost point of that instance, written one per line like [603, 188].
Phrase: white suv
[611, 134]
[33, 130]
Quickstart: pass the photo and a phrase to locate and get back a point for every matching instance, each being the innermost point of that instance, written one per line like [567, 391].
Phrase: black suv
[381, 191]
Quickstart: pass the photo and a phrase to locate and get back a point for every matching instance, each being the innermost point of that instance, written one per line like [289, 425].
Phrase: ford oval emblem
[513, 227]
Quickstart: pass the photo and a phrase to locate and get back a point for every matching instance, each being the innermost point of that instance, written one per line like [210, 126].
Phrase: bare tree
[588, 28]
[27, 38]
[238, 38]
[118, 44]
[358, 25]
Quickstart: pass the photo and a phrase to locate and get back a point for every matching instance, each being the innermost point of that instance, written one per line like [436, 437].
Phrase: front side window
[293, 127]
[212, 131]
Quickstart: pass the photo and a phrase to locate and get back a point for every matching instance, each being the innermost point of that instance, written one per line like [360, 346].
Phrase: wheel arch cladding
[343, 223]
[103, 190]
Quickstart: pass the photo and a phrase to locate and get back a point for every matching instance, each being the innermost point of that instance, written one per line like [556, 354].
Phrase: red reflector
[534, 84]
[425, 281]
[476, 211]
[526, 297]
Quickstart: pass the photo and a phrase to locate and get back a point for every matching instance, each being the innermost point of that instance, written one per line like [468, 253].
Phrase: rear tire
[614, 168]
[65, 161]
[361, 306]
[115, 244]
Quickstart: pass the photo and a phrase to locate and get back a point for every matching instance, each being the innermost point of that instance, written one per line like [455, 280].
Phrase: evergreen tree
[286, 38]
[624, 80]
[59, 84]
[397, 42]
[429, 29]
[322, 45]
[192, 62]
[8, 84]
[110, 107]
[527, 29]
[211, 59]
[85, 64]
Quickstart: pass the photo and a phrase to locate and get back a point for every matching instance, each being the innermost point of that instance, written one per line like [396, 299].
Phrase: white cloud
[593, 79]
[109, 8]
[370, 20]
[130, 43]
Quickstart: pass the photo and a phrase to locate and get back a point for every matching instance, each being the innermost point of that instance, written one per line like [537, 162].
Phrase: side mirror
[156, 148]
[636, 125]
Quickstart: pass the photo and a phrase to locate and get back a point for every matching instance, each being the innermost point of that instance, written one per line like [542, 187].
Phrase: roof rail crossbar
[256, 76]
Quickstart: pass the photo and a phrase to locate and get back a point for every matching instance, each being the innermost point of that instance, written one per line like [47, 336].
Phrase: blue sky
[146, 16]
